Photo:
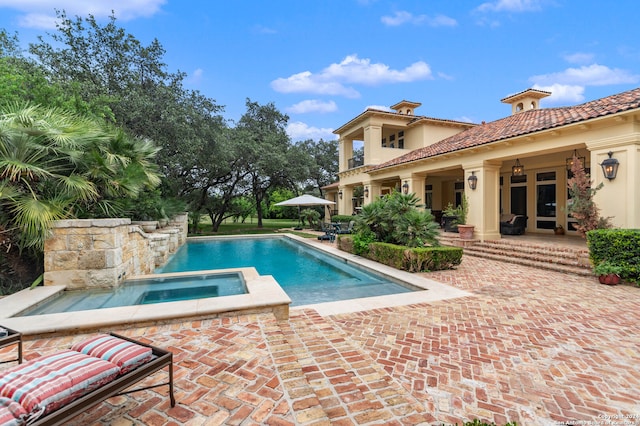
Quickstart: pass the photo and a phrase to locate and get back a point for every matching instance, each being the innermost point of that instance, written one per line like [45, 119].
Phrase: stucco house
[520, 164]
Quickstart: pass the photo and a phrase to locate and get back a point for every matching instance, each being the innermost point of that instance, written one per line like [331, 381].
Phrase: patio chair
[51, 389]
[347, 230]
[514, 226]
[329, 232]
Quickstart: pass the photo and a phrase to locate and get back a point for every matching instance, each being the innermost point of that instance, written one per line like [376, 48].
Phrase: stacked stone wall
[85, 253]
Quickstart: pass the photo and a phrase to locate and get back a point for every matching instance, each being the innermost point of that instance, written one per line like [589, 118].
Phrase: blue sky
[324, 62]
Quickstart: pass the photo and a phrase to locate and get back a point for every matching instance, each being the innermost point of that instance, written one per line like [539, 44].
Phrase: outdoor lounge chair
[514, 226]
[51, 389]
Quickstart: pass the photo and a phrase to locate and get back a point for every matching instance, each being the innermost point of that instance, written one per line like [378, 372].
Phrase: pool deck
[527, 345]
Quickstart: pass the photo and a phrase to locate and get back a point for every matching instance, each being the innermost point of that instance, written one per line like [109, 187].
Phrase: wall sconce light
[366, 192]
[570, 160]
[473, 181]
[340, 194]
[517, 169]
[610, 167]
[405, 187]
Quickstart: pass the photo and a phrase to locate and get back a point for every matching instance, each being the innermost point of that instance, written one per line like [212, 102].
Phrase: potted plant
[607, 272]
[465, 230]
[450, 218]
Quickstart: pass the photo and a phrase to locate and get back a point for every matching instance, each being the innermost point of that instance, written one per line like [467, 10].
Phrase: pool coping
[432, 290]
[264, 295]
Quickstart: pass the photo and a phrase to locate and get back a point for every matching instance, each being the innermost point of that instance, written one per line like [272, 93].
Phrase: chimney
[526, 100]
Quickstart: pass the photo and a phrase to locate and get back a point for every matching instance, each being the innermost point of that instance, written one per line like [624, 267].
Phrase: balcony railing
[355, 162]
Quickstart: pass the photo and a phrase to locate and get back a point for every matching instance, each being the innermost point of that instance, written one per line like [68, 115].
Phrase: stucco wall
[103, 252]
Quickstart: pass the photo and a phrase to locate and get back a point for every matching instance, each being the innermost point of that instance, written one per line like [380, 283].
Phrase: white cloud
[510, 6]
[38, 20]
[306, 82]
[261, 29]
[312, 105]
[589, 75]
[562, 93]
[196, 76]
[352, 70]
[41, 13]
[579, 58]
[403, 17]
[299, 131]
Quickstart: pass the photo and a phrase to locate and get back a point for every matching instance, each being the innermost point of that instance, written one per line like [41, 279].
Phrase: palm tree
[55, 164]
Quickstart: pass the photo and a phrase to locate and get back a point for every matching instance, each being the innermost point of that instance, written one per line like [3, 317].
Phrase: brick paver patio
[532, 346]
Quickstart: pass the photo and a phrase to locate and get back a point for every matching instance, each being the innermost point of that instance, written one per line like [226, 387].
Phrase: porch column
[375, 190]
[372, 144]
[345, 152]
[344, 202]
[484, 208]
[618, 198]
[416, 186]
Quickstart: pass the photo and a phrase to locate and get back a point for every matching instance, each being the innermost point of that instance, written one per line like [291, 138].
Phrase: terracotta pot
[609, 279]
[466, 232]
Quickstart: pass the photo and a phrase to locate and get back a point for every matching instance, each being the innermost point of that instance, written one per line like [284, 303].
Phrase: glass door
[546, 200]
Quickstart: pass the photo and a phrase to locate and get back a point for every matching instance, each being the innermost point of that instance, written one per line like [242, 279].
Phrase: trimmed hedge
[421, 259]
[620, 247]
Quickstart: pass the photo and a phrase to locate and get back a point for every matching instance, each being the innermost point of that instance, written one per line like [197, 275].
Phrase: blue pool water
[307, 275]
[144, 291]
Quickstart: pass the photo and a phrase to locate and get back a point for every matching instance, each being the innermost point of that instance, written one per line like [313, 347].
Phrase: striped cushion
[12, 413]
[46, 383]
[126, 355]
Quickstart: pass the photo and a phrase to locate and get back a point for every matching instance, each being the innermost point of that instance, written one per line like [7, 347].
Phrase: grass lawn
[269, 226]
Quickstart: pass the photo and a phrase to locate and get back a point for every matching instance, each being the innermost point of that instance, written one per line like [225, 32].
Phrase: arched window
[519, 107]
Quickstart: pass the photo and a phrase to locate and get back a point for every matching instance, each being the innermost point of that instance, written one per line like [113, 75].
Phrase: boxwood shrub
[421, 259]
[620, 247]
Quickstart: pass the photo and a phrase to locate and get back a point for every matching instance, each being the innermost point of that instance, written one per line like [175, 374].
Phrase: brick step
[563, 257]
[509, 258]
[557, 257]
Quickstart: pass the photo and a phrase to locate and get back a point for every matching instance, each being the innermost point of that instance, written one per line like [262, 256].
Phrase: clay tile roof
[521, 124]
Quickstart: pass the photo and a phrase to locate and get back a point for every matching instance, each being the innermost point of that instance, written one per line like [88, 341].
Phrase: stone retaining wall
[103, 252]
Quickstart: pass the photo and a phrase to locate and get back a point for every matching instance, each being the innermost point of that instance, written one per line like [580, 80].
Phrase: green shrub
[396, 218]
[342, 218]
[361, 242]
[620, 247]
[432, 258]
[421, 259]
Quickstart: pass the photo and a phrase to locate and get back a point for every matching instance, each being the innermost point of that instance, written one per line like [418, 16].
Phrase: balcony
[355, 162]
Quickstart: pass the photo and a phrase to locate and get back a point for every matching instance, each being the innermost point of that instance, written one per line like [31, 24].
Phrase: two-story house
[517, 165]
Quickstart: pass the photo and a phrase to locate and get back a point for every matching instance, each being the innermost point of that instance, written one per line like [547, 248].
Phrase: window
[428, 197]
[384, 142]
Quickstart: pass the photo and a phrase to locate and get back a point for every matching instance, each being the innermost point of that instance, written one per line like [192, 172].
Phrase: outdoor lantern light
[340, 194]
[366, 192]
[610, 167]
[473, 181]
[518, 169]
[570, 160]
[405, 187]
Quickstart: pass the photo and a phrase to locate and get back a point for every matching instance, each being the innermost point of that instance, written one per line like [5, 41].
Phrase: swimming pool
[307, 275]
[143, 292]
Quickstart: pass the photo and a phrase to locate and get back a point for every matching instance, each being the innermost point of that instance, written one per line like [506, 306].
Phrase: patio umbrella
[305, 200]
